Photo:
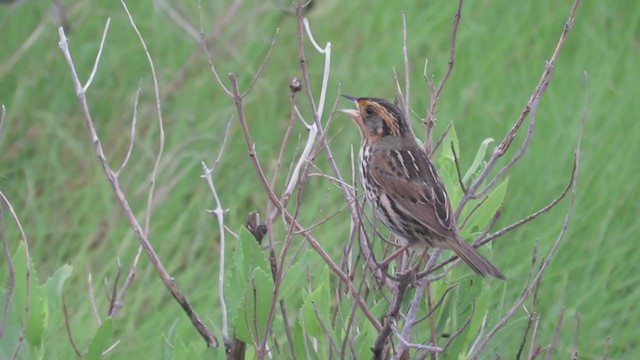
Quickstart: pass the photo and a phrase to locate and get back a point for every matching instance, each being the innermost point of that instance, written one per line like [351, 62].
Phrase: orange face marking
[387, 117]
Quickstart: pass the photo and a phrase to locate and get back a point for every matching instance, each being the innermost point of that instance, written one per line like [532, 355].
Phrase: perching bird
[403, 186]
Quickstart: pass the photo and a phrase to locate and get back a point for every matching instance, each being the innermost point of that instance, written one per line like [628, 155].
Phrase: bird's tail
[474, 259]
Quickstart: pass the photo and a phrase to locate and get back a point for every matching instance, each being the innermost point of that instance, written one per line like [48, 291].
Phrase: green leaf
[246, 256]
[319, 297]
[364, 341]
[53, 287]
[184, 352]
[252, 255]
[485, 211]
[447, 166]
[29, 290]
[255, 306]
[477, 160]
[99, 342]
[294, 278]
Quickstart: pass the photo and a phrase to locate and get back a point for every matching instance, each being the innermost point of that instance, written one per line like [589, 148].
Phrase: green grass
[49, 172]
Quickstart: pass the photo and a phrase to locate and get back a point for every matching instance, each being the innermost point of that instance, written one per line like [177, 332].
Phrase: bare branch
[530, 108]
[132, 136]
[179, 19]
[405, 55]
[114, 291]
[556, 334]
[98, 56]
[276, 202]
[406, 344]
[3, 117]
[205, 47]
[168, 281]
[434, 92]
[219, 212]
[92, 300]
[576, 341]
[263, 63]
[536, 280]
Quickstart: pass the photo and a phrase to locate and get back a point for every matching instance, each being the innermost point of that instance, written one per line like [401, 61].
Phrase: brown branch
[574, 353]
[276, 202]
[545, 263]
[68, 326]
[529, 109]
[114, 290]
[459, 331]
[168, 281]
[434, 93]
[394, 309]
[556, 335]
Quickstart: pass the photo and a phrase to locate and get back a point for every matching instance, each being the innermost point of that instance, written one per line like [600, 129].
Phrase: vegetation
[75, 227]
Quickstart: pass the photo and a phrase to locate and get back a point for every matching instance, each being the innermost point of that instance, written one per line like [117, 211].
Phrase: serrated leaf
[252, 255]
[99, 342]
[184, 352]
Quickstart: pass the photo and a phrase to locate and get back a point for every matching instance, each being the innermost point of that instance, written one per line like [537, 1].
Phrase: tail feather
[474, 259]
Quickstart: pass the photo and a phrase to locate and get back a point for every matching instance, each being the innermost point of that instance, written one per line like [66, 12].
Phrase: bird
[403, 186]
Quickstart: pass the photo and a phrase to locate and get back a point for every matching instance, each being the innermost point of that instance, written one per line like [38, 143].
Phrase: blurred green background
[49, 171]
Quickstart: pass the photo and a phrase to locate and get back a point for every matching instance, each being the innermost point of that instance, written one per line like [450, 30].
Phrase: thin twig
[536, 280]
[168, 281]
[263, 63]
[276, 202]
[405, 56]
[556, 335]
[179, 19]
[205, 46]
[98, 56]
[132, 135]
[219, 212]
[430, 118]
[3, 117]
[68, 326]
[92, 300]
[406, 344]
[457, 162]
[529, 108]
[459, 331]
[576, 341]
[114, 291]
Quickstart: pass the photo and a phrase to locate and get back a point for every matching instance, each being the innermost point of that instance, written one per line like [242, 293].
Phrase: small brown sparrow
[403, 186]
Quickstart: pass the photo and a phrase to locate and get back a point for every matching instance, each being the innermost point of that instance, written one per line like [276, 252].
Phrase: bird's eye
[369, 110]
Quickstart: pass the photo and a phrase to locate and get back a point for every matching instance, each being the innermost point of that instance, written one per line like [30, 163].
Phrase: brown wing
[411, 181]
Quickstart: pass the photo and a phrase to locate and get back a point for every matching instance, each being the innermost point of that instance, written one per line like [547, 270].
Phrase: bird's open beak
[353, 113]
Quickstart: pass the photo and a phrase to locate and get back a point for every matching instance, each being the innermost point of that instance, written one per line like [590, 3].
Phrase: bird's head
[379, 120]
